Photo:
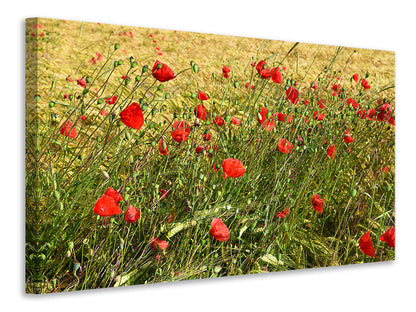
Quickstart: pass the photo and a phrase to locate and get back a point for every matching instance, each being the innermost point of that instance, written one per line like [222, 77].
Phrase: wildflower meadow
[159, 155]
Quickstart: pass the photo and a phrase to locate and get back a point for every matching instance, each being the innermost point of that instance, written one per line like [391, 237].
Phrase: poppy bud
[227, 118]
[131, 59]
[85, 91]
[163, 145]
[126, 197]
[213, 75]
[57, 195]
[51, 104]
[153, 143]
[195, 68]
[269, 114]
[259, 116]
[116, 46]
[145, 68]
[160, 88]
[193, 95]
[126, 81]
[133, 64]
[100, 101]
[184, 115]
[192, 63]
[236, 83]
[70, 246]
[88, 79]
[353, 192]
[119, 62]
[105, 174]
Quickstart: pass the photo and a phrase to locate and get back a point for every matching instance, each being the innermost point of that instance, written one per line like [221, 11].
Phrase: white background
[386, 25]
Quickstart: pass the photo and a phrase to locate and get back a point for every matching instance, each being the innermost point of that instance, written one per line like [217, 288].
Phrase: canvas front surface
[161, 155]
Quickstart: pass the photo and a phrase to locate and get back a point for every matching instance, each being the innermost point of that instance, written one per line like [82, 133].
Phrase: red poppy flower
[392, 121]
[111, 100]
[207, 137]
[285, 146]
[157, 244]
[202, 96]
[314, 85]
[82, 82]
[132, 116]
[162, 73]
[347, 137]
[282, 214]
[225, 71]
[163, 147]
[114, 194]
[199, 149]
[289, 119]
[263, 70]
[371, 113]
[318, 203]
[385, 168]
[321, 103]
[200, 112]
[132, 214]
[389, 237]
[163, 194]
[219, 230]
[281, 117]
[266, 123]
[181, 132]
[292, 95]
[277, 75]
[331, 151]
[355, 77]
[361, 113]
[366, 245]
[260, 66]
[235, 121]
[384, 112]
[365, 84]
[93, 61]
[83, 118]
[233, 167]
[170, 219]
[219, 120]
[103, 112]
[67, 131]
[99, 56]
[353, 102]
[106, 206]
[336, 87]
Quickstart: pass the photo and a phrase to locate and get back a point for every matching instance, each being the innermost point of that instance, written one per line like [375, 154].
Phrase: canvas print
[160, 155]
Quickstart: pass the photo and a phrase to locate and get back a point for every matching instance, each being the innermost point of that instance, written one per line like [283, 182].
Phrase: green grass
[70, 248]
